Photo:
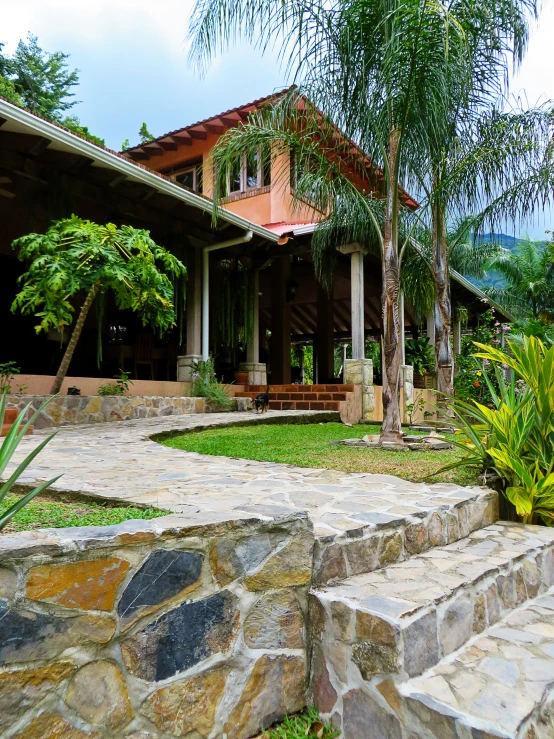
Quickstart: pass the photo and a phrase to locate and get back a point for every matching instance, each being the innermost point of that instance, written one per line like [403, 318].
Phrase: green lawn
[309, 445]
[45, 512]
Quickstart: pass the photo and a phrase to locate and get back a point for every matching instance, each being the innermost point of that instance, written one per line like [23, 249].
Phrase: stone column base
[360, 372]
[257, 372]
[186, 365]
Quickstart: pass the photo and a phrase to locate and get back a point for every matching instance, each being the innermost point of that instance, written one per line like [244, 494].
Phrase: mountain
[493, 279]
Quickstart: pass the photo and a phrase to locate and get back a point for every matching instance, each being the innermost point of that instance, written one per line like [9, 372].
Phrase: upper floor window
[250, 172]
[190, 177]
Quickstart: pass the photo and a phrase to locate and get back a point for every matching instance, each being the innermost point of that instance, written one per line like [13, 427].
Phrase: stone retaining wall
[76, 409]
[154, 629]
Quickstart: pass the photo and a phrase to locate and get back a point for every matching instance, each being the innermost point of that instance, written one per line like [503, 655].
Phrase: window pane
[186, 179]
[266, 165]
[252, 169]
[234, 185]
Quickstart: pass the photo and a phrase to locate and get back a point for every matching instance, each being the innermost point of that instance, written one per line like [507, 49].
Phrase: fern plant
[9, 445]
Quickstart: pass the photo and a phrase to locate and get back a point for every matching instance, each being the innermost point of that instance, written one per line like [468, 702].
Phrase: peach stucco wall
[41, 384]
[273, 207]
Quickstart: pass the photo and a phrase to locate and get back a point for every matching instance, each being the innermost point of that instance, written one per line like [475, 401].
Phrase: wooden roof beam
[182, 140]
[199, 135]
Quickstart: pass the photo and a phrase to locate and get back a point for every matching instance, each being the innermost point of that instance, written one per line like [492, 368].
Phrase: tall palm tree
[495, 32]
[529, 275]
[364, 66]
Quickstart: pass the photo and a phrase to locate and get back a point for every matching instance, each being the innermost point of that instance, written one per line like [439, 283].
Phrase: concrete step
[375, 630]
[500, 684]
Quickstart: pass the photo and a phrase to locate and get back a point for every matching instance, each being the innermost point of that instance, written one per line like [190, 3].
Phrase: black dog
[261, 402]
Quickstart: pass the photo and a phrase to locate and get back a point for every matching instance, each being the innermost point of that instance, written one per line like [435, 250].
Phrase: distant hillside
[493, 279]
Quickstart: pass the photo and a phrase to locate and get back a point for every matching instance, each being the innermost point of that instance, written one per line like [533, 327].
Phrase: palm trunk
[443, 305]
[64, 366]
[391, 429]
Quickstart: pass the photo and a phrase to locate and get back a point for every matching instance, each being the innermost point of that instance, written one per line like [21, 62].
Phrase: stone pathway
[119, 460]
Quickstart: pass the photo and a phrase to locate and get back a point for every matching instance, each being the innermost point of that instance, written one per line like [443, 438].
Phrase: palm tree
[364, 67]
[465, 254]
[529, 275]
[494, 32]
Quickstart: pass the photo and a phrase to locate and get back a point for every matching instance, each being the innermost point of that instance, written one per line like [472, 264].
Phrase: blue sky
[132, 58]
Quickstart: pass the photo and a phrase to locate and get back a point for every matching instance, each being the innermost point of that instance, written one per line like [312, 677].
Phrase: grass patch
[302, 725]
[47, 512]
[311, 446]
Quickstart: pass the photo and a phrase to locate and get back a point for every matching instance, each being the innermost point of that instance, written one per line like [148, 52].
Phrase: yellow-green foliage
[515, 436]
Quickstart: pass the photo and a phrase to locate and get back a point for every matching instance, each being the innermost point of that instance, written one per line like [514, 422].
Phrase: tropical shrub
[473, 377]
[9, 444]
[8, 370]
[420, 354]
[206, 385]
[514, 436]
[120, 387]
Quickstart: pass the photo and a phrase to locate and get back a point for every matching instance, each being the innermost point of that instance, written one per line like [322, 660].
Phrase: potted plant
[420, 354]
[241, 375]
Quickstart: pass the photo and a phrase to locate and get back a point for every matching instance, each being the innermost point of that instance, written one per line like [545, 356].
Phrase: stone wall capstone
[158, 629]
[65, 410]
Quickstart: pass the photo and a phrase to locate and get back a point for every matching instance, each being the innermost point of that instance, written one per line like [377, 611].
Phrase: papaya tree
[76, 261]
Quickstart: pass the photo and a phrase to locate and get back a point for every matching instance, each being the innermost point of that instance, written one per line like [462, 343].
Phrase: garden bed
[316, 445]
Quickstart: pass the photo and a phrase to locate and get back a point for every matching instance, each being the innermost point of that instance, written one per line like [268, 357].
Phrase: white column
[357, 301]
[457, 337]
[253, 347]
[194, 307]
[431, 328]
[205, 304]
[402, 326]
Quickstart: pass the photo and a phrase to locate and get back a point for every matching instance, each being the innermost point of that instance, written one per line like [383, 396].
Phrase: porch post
[457, 343]
[187, 362]
[402, 327]
[356, 297]
[280, 322]
[253, 347]
[325, 337]
[457, 337]
[257, 374]
[431, 328]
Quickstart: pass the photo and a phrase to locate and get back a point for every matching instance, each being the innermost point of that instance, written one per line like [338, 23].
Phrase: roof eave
[126, 166]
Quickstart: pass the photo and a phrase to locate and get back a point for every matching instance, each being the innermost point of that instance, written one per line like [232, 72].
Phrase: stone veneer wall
[76, 409]
[154, 629]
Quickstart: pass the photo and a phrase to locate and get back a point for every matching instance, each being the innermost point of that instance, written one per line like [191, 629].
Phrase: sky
[132, 57]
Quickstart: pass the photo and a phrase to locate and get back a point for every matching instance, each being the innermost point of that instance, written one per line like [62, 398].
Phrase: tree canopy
[77, 260]
[42, 82]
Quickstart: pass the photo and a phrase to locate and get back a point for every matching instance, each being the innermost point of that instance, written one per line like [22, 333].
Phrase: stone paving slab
[121, 461]
[499, 685]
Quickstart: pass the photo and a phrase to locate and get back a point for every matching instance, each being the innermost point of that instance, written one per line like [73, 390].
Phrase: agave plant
[515, 436]
[7, 449]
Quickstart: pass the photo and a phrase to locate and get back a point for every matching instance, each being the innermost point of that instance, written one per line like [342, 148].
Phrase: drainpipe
[206, 286]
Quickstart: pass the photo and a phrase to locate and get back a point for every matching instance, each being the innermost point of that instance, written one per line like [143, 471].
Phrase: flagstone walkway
[119, 460]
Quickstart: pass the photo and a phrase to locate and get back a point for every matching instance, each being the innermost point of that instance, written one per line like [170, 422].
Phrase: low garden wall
[160, 628]
[76, 409]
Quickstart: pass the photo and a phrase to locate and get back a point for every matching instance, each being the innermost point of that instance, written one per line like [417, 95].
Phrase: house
[260, 243]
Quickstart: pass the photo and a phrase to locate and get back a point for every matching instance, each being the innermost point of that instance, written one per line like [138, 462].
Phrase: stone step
[377, 629]
[500, 684]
